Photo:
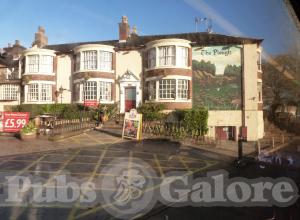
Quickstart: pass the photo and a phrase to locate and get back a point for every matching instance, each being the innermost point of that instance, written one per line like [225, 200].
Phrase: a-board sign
[132, 127]
[13, 121]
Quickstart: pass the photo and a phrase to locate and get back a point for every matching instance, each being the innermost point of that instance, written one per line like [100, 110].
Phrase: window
[9, 92]
[167, 89]
[105, 91]
[77, 62]
[182, 56]
[90, 60]
[33, 92]
[33, 63]
[167, 56]
[105, 60]
[46, 92]
[152, 58]
[182, 89]
[46, 64]
[152, 90]
[259, 88]
[90, 90]
[258, 60]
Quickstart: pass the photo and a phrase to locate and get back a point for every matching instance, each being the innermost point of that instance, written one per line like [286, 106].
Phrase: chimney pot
[17, 43]
[124, 29]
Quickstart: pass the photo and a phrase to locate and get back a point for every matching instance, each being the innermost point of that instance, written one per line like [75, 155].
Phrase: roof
[135, 41]
[7, 61]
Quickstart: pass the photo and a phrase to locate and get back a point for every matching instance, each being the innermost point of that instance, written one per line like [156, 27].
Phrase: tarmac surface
[86, 157]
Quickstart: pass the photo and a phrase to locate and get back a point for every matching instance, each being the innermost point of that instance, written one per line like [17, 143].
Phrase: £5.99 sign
[13, 121]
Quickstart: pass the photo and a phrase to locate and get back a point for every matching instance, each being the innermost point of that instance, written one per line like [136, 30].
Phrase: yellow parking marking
[158, 165]
[92, 138]
[184, 164]
[75, 140]
[77, 205]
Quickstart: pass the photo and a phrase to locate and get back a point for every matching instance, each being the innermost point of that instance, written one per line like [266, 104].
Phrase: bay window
[77, 62]
[33, 92]
[46, 64]
[152, 90]
[39, 92]
[182, 88]
[90, 59]
[46, 92]
[152, 58]
[182, 56]
[167, 56]
[167, 88]
[105, 91]
[9, 92]
[93, 60]
[33, 63]
[105, 60]
[90, 90]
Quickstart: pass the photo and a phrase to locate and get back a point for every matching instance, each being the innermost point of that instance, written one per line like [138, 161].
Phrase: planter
[28, 136]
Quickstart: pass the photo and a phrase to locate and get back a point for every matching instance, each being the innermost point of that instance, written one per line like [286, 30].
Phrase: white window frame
[167, 55]
[105, 60]
[182, 89]
[182, 56]
[33, 92]
[46, 64]
[89, 61]
[151, 57]
[90, 90]
[259, 61]
[151, 90]
[77, 61]
[167, 89]
[105, 91]
[33, 63]
[45, 92]
[9, 92]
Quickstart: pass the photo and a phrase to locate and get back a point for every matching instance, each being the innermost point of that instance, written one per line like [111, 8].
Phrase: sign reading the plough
[217, 77]
[132, 127]
[90, 103]
[13, 121]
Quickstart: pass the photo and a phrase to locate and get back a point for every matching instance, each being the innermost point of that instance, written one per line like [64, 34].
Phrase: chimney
[124, 29]
[17, 43]
[40, 38]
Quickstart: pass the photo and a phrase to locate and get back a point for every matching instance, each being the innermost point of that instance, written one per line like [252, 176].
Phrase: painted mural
[217, 77]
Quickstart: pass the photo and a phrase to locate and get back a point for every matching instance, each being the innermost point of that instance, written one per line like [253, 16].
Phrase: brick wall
[168, 71]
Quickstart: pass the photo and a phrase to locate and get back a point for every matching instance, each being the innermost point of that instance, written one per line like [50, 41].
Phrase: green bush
[152, 111]
[29, 128]
[194, 120]
[65, 111]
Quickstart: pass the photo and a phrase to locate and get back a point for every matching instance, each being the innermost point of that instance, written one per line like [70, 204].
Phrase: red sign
[91, 103]
[14, 121]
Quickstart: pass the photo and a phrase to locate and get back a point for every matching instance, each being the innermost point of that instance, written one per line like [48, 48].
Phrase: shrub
[194, 120]
[29, 128]
[151, 111]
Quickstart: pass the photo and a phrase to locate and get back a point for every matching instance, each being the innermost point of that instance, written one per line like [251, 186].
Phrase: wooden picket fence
[63, 126]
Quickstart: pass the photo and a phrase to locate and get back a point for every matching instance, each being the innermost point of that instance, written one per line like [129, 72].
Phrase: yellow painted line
[184, 164]
[158, 165]
[77, 205]
[92, 138]
[75, 140]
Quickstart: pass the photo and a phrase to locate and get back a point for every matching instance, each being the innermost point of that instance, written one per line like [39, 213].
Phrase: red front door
[130, 98]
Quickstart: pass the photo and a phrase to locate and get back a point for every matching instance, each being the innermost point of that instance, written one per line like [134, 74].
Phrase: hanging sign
[132, 127]
[13, 121]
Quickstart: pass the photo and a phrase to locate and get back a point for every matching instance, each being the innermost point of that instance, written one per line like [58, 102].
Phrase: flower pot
[104, 118]
[28, 136]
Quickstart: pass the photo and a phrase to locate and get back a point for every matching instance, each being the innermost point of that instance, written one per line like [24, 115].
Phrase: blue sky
[88, 20]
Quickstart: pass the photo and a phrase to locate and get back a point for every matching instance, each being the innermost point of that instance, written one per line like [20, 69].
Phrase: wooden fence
[62, 126]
